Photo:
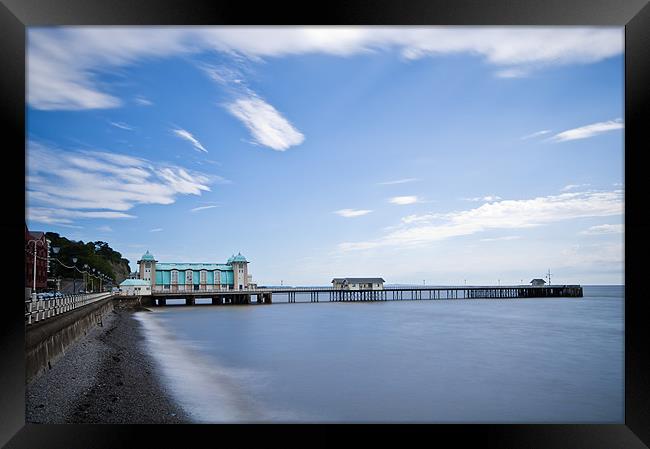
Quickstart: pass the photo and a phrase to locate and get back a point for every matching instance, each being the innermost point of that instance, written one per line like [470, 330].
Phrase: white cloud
[349, 213]
[121, 126]
[507, 214]
[196, 209]
[403, 200]
[265, 123]
[516, 72]
[63, 63]
[399, 181]
[61, 185]
[604, 229]
[156, 230]
[587, 131]
[536, 134]
[267, 126]
[184, 134]
[105, 229]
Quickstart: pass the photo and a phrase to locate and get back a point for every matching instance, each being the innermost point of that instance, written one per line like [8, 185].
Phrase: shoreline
[107, 376]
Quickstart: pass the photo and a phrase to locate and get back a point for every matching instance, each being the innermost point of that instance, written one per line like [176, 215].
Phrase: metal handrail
[37, 310]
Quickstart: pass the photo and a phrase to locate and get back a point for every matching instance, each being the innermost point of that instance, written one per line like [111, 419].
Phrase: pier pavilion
[358, 283]
[186, 277]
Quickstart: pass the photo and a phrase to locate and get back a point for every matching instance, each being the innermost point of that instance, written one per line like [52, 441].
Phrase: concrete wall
[46, 341]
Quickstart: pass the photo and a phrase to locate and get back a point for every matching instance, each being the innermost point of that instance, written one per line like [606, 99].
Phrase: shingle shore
[105, 377]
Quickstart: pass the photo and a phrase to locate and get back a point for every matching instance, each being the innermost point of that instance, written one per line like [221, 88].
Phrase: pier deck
[316, 294]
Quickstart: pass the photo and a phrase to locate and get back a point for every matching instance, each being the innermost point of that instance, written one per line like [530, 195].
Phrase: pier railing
[37, 310]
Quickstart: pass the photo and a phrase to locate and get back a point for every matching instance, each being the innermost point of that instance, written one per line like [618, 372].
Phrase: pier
[407, 293]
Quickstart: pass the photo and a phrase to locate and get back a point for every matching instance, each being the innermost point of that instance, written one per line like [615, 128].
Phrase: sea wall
[46, 341]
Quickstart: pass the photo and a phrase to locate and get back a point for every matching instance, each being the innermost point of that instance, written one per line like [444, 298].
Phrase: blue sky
[435, 154]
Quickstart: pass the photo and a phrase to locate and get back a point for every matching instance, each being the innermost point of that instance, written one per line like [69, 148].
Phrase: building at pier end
[187, 276]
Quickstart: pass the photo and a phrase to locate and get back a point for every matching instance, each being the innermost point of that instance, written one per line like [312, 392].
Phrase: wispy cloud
[105, 229]
[196, 209]
[399, 181]
[569, 187]
[66, 216]
[267, 126]
[63, 63]
[536, 134]
[403, 200]
[507, 214]
[184, 134]
[587, 131]
[486, 198]
[349, 213]
[142, 101]
[497, 239]
[122, 125]
[156, 230]
[61, 185]
[604, 229]
[590, 255]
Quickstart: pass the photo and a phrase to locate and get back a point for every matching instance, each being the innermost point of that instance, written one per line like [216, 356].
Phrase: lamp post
[92, 282]
[36, 242]
[74, 274]
[86, 277]
[55, 250]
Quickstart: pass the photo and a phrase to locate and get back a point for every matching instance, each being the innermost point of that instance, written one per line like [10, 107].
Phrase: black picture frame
[16, 15]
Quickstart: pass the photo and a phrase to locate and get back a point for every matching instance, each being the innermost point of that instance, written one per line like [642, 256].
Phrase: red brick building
[41, 259]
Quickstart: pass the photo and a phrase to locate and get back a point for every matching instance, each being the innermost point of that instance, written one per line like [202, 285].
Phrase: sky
[435, 155]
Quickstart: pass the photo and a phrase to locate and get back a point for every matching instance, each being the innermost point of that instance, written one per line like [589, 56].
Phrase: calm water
[533, 360]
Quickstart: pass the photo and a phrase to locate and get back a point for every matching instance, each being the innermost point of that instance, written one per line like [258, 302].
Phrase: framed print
[388, 221]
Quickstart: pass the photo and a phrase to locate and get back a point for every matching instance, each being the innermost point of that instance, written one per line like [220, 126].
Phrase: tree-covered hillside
[97, 255]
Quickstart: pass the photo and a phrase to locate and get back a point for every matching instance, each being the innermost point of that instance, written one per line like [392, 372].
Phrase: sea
[541, 360]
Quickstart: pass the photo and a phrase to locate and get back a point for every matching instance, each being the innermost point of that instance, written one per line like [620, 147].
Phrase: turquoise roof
[131, 282]
[237, 258]
[193, 266]
[147, 256]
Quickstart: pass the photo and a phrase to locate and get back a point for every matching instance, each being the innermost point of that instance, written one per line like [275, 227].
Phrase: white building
[358, 283]
[135, 287]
